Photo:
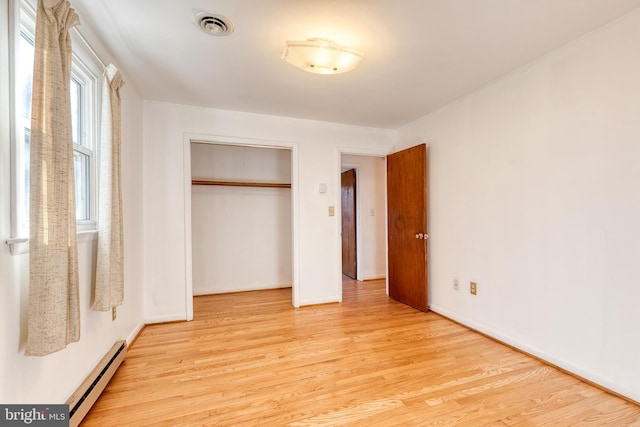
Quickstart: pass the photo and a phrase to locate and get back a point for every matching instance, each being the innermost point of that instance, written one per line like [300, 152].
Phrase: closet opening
[241, 218]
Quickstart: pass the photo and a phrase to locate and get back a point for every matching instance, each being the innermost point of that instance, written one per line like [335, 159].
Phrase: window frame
[90, 128]
[22, 19]
[88, 71]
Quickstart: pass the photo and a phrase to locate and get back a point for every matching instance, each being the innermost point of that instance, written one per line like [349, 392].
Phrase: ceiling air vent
[212, 24]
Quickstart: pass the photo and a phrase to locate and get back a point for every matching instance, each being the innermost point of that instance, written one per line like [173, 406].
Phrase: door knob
[418, 235]
[421, 236]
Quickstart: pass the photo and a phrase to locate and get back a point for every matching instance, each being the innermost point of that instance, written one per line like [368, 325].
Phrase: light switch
[322, 188]
[332, 211]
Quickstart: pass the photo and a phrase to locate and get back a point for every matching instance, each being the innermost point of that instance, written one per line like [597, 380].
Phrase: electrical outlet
[113, 313]
[473, 288]
[455, 284]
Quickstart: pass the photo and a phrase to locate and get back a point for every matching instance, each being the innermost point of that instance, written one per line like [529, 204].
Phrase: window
[83, 127]
[84, 92]
[22, 117]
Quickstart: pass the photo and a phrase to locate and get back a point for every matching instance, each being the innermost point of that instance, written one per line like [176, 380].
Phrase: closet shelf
[239, 183]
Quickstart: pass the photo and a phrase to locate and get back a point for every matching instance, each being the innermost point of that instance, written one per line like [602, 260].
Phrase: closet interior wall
[241, 225]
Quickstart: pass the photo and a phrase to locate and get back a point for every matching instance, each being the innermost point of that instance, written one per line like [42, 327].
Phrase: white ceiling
[419, 54]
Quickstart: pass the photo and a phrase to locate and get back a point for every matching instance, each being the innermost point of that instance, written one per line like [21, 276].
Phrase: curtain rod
[86, 43]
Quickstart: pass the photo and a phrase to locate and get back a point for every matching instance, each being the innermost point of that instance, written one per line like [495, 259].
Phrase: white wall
[241, 236]
[370, 214]
[534, 191]
[238, 163]
[318, 161]
[52, 379]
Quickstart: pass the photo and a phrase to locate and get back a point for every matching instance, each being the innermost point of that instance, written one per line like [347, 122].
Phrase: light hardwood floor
[251, 359]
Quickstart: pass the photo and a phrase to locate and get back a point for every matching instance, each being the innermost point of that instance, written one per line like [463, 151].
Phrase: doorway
[405, 256]
[362, 230]
[240, 218]
[292, 223]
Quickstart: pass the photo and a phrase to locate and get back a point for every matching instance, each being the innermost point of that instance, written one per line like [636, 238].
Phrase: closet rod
[240, 183]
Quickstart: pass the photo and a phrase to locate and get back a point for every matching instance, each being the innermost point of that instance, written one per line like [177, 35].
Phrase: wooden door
[349, 261]
[407, 226]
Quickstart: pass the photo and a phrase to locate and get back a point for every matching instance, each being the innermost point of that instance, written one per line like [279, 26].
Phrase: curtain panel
[109, 288]
[54, 315]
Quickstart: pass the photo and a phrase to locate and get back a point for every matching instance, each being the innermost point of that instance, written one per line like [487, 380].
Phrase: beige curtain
[54, 315]
[109, 289]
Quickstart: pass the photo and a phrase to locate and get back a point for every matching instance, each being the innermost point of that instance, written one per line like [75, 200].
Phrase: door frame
[295, 228]
[365, 152]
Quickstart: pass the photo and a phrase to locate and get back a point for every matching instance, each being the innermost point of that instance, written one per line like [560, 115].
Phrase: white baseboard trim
[563, 365]
[134, 334]
[166, 318]
[232, 290]
[374, 276]
[327, 300]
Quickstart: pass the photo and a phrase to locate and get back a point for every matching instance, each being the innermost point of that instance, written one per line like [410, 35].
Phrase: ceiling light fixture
[321, 56]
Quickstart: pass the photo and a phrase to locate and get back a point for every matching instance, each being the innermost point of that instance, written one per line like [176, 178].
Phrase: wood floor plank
[251, 359]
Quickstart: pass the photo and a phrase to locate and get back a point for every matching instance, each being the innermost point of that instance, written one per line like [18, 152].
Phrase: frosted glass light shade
[321, 56]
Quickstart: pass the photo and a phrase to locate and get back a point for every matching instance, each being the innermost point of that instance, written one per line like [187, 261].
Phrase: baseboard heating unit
[86, 395]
